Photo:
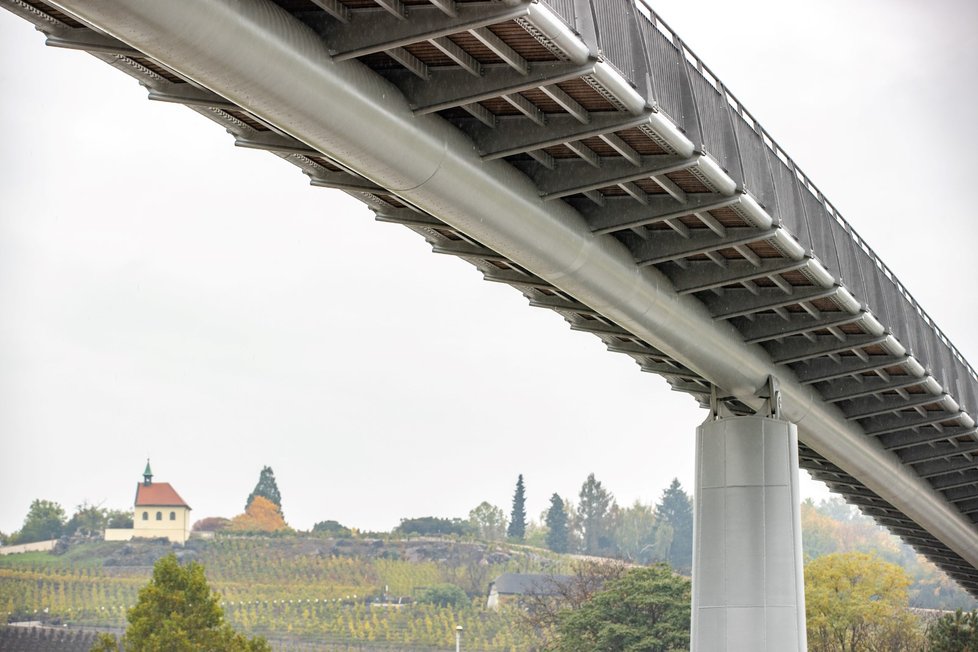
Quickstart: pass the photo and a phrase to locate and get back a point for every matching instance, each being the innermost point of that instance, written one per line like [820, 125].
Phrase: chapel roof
[158, 494]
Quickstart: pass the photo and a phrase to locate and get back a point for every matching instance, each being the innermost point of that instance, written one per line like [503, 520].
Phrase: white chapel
[159, 511]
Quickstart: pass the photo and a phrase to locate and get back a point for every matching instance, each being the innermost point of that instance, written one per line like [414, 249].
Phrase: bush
[444, 595]
[432, 525]
[332, 529]
[212, 524]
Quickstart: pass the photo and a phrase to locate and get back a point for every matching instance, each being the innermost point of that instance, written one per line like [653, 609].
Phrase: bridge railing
[634, 39]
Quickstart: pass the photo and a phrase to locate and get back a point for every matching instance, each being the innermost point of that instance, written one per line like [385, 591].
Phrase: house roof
[528, 583]
[158, 494]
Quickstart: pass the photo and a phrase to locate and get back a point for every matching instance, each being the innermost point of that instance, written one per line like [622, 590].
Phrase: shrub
[444, 595]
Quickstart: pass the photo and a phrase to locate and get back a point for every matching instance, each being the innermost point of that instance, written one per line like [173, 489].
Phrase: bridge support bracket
[748, 581]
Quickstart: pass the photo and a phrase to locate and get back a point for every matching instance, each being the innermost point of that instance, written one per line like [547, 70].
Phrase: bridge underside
[619, 131]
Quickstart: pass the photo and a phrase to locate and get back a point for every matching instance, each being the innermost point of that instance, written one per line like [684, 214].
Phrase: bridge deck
[610, 113]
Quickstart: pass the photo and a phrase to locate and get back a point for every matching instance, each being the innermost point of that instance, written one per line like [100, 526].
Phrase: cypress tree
[558, 535]
[266, 488]
[517, 519]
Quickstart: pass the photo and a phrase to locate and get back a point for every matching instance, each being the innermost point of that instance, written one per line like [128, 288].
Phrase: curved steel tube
[255, 54]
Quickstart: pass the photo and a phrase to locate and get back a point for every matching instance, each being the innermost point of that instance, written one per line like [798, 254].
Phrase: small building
[159, 512]
[512, 588]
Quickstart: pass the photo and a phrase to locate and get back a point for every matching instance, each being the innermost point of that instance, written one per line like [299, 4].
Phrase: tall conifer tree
[558, 535]
[266, 488]
[676, 510]
[517, 519]
[594, 517]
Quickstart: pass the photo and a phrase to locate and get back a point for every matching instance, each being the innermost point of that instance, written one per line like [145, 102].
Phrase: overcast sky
[165, 294]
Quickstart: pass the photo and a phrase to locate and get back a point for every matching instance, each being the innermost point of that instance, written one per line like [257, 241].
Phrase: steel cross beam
[702, 276]
[572, 176]
[658, 209]
[514, 136]
[872, 407]
[791, 351]
[912, 439]
[368, 34]
[739, 303]
[937, 451]
[455, 87]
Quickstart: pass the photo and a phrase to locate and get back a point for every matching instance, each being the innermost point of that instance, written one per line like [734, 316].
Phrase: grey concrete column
[748, 581]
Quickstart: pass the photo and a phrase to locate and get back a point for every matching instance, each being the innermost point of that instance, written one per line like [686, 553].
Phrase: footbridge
[582, 153]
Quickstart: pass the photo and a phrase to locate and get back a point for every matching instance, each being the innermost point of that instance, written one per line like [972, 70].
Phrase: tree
[957, 632]
[45, 520]
[118, 518]
[432, 525]
[646, 609]
[333, 529]
[466, 567]
[266, 488]
[594, 516]
[488, 521]
[837, 509]
[177, 612]
[212, 524]
[542, 610]
[444, 595]
[820, 532]
[829, 527]
[517, 518]
[262, 515]
[675, 509]
[846, 530]
[558, 534]
[635, 535]
[87, 520]
[856, 602]
[536, 533]
[105, 643]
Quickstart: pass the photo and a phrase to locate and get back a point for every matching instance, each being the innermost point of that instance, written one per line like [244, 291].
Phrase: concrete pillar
[748, 582]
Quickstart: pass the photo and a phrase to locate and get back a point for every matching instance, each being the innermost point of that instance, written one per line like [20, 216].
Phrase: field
[334, 594]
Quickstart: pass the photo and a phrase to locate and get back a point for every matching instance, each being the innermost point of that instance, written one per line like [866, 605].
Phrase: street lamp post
[458, 638]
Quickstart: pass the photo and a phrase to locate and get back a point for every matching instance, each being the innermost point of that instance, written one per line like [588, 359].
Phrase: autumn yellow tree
[856, 602]
[262, 515]
[821, 532]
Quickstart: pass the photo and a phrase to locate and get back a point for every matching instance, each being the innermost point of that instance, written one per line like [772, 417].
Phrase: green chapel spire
[147, 474]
